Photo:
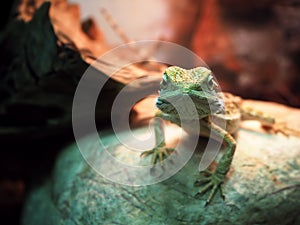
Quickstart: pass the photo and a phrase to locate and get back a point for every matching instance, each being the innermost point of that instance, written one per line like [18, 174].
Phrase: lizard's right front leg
[160, 151]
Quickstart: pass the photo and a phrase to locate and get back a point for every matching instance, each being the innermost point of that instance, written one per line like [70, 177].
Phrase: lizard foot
[158, 153]
[281, 128]
[212, 181]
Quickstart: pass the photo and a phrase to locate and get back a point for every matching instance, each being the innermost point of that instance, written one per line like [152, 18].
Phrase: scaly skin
[199, 85]
[213, 109]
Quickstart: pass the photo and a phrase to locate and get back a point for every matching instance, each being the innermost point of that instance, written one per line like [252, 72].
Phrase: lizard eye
[163, 82]
[211, 84]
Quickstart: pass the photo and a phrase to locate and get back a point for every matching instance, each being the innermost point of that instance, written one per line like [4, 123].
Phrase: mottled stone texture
[262, 187]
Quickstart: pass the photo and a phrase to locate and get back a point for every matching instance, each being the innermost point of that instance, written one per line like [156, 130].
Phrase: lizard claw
[212, 182]
[281, 128]
[206, 172]
[158, 154]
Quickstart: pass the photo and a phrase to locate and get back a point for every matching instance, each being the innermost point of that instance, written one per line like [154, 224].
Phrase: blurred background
[253, 48]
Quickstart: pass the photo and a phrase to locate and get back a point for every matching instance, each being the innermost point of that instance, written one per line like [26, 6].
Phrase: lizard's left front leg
[160, 151]
[215, 180]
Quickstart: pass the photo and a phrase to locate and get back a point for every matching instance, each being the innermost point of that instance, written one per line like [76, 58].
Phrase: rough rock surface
[263, 187]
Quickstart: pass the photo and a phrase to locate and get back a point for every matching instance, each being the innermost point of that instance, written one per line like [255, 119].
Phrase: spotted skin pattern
[214, 109]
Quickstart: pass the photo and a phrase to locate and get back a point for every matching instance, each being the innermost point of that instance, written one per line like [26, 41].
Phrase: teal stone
[262, 187]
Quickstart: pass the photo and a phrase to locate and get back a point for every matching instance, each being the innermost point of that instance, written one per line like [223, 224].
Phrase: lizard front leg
[215, 180]
[160, 151]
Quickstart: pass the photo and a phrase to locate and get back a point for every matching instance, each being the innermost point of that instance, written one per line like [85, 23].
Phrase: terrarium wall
[253, 47]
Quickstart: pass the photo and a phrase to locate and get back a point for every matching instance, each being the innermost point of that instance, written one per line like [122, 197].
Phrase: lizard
[214, 108]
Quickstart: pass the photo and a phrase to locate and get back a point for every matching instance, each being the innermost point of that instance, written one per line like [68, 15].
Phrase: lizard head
[197, 84]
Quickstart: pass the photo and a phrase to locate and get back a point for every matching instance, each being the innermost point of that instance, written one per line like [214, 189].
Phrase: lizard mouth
[165, 106]
[216, 107]
[160, 103]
